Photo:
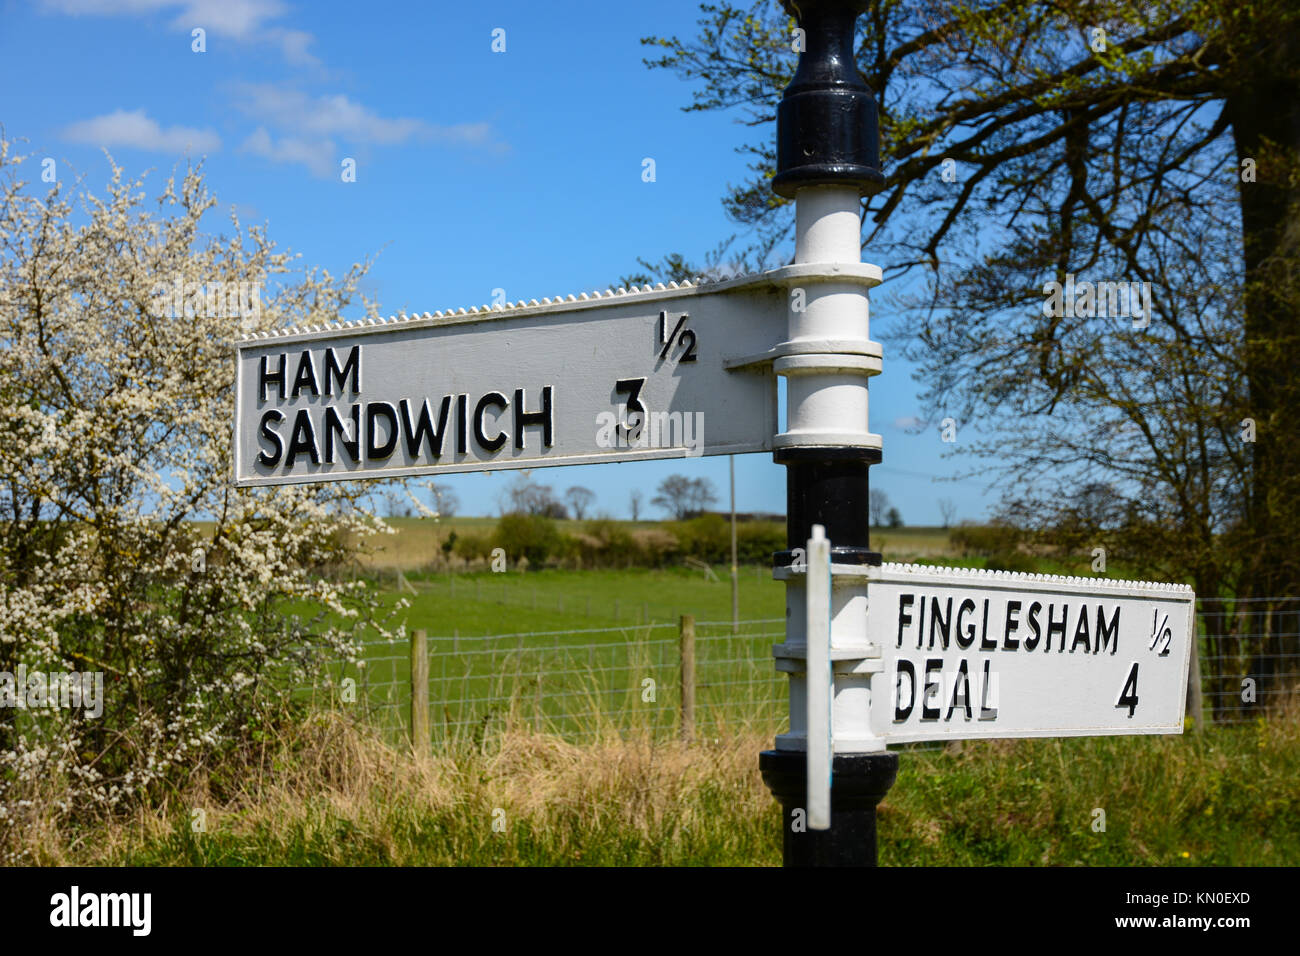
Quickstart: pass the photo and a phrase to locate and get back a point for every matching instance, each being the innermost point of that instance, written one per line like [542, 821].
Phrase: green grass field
[571, 648]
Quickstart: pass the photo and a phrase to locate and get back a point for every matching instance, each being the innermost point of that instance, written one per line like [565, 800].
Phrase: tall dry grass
[328, 790]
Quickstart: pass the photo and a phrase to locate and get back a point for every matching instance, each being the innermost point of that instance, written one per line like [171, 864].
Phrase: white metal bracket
[821, 680]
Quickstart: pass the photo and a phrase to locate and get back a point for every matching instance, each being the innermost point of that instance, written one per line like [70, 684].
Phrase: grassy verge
[331, 792]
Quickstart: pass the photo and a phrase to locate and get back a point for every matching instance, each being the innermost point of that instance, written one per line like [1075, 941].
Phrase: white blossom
[115, 465]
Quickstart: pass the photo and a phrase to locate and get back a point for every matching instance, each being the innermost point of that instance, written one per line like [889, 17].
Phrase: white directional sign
[651, 373]
[988, 654]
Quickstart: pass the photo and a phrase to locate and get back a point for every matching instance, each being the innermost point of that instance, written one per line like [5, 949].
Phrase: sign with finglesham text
[986, 654]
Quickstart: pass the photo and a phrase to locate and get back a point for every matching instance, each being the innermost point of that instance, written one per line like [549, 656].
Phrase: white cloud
[135, 130]
[294, 45]
[241, 19]
[336, 115]
[908, 423]
[316, 155]
[245, 21]
[295, 127]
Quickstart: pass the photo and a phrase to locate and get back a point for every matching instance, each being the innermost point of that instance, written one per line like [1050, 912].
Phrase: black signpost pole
[827, 136]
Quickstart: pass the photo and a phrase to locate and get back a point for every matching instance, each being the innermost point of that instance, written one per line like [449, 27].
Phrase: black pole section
[827, 126]
[827, 134]
[860, 782]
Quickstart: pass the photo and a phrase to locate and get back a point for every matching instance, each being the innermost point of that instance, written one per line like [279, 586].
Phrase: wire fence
[581, 683]
[1249, 656]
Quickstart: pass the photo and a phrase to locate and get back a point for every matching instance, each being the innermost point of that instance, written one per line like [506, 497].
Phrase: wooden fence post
[1194, 702]
[537, 706]
[687, 644]
[420, 691]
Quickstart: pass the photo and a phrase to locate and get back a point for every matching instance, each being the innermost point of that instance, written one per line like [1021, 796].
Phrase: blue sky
[476, 170]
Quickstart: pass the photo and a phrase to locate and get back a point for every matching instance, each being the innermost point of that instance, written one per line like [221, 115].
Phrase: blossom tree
[124, 549]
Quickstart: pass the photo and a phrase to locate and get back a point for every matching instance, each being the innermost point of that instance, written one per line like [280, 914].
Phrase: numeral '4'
[1128, 697]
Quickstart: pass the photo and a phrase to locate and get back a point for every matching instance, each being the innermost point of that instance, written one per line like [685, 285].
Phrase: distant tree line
[677, 496]
[528, 527]
[605, 543]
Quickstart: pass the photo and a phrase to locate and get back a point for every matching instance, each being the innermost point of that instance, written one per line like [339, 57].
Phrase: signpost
[992, 654]
[827, 158]
[648, 373]
[875, 655]
[968, 653]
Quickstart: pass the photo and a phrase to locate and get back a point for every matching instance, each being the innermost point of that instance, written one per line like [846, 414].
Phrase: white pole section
[826, 392]
[828, 224]
[826, 406]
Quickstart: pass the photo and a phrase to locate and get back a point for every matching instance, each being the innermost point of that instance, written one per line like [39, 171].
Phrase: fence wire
[1249, 656]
